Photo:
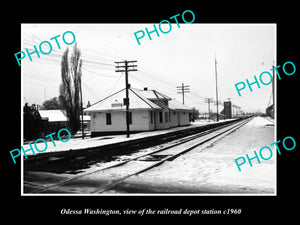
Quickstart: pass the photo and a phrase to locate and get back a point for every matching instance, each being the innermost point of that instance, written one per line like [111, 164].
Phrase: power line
[148, 80]
[97, 73]
[159, 83]
[167, 82]
[196, 95]
[40, 85]
[86, 61]
[94, 94]
[112, 90]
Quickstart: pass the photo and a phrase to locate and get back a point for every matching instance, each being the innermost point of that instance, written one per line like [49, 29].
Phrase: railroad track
[75, 161]
[47, 158]
[103, 179]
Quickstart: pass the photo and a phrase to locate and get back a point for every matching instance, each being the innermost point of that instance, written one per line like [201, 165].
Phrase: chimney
[145, 89]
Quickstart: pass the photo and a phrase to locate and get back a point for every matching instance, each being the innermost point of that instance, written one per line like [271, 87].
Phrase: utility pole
[208, 100]
[217, 103]
[217, 88]
[126, 68]
[183, 89]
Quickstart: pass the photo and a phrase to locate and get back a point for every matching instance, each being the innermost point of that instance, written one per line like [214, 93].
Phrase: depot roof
[115, 102]
[153, 95]
[139, 99]
[175, 105]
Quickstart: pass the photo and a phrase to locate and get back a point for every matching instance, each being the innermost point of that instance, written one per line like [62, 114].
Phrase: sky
[184, 55]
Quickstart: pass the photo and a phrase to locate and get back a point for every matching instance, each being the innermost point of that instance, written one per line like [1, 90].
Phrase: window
[169, 116]
[108, 118]
[151, 117]
[160, 117]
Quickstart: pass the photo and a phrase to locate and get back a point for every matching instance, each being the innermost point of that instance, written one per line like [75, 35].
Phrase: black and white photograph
[185, 112]
[124, 111]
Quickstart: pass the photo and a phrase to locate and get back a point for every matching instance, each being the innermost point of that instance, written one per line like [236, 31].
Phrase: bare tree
[70, 87]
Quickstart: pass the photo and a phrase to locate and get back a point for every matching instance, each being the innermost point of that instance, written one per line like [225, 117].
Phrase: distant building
[53, 120]
[226, 113]
[227, 110]
[56, 119]
[148, 110]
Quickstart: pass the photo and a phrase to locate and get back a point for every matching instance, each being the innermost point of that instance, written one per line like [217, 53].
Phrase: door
[154, 114]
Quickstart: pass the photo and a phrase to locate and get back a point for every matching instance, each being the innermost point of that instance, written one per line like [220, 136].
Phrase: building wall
[179, 118]
[161, 102]
[151, 121]
[184, 118]
[161, 124]
[174, 119]
[140, 121]
[50, 127]
[227, 110]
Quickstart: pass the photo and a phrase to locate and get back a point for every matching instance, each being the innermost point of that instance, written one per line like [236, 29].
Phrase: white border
[22, 122]
[275, 109]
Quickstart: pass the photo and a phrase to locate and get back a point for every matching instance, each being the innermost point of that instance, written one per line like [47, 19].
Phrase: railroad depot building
[148, 110]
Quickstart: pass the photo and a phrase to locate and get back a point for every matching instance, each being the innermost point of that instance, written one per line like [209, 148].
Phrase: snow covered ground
[79, 143]
[212, 169]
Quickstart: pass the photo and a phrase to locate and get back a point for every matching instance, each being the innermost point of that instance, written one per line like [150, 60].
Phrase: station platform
[88, 143]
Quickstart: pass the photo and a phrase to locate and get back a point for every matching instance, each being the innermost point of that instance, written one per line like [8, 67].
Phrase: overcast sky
[185, 55]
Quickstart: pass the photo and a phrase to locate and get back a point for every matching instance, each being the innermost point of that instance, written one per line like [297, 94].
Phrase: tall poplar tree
[69, 89]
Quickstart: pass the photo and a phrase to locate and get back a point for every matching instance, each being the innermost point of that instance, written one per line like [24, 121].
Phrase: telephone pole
[208, 100]
[183, 89]
[217, 88]
[125, 67]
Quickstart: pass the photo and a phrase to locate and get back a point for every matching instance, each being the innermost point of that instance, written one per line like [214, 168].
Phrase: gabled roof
[175, 105]
[115, 102]
[139, 99]
[153, 95]
[54, 115]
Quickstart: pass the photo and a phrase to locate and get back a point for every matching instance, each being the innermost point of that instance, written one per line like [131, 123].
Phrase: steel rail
[232, 126]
